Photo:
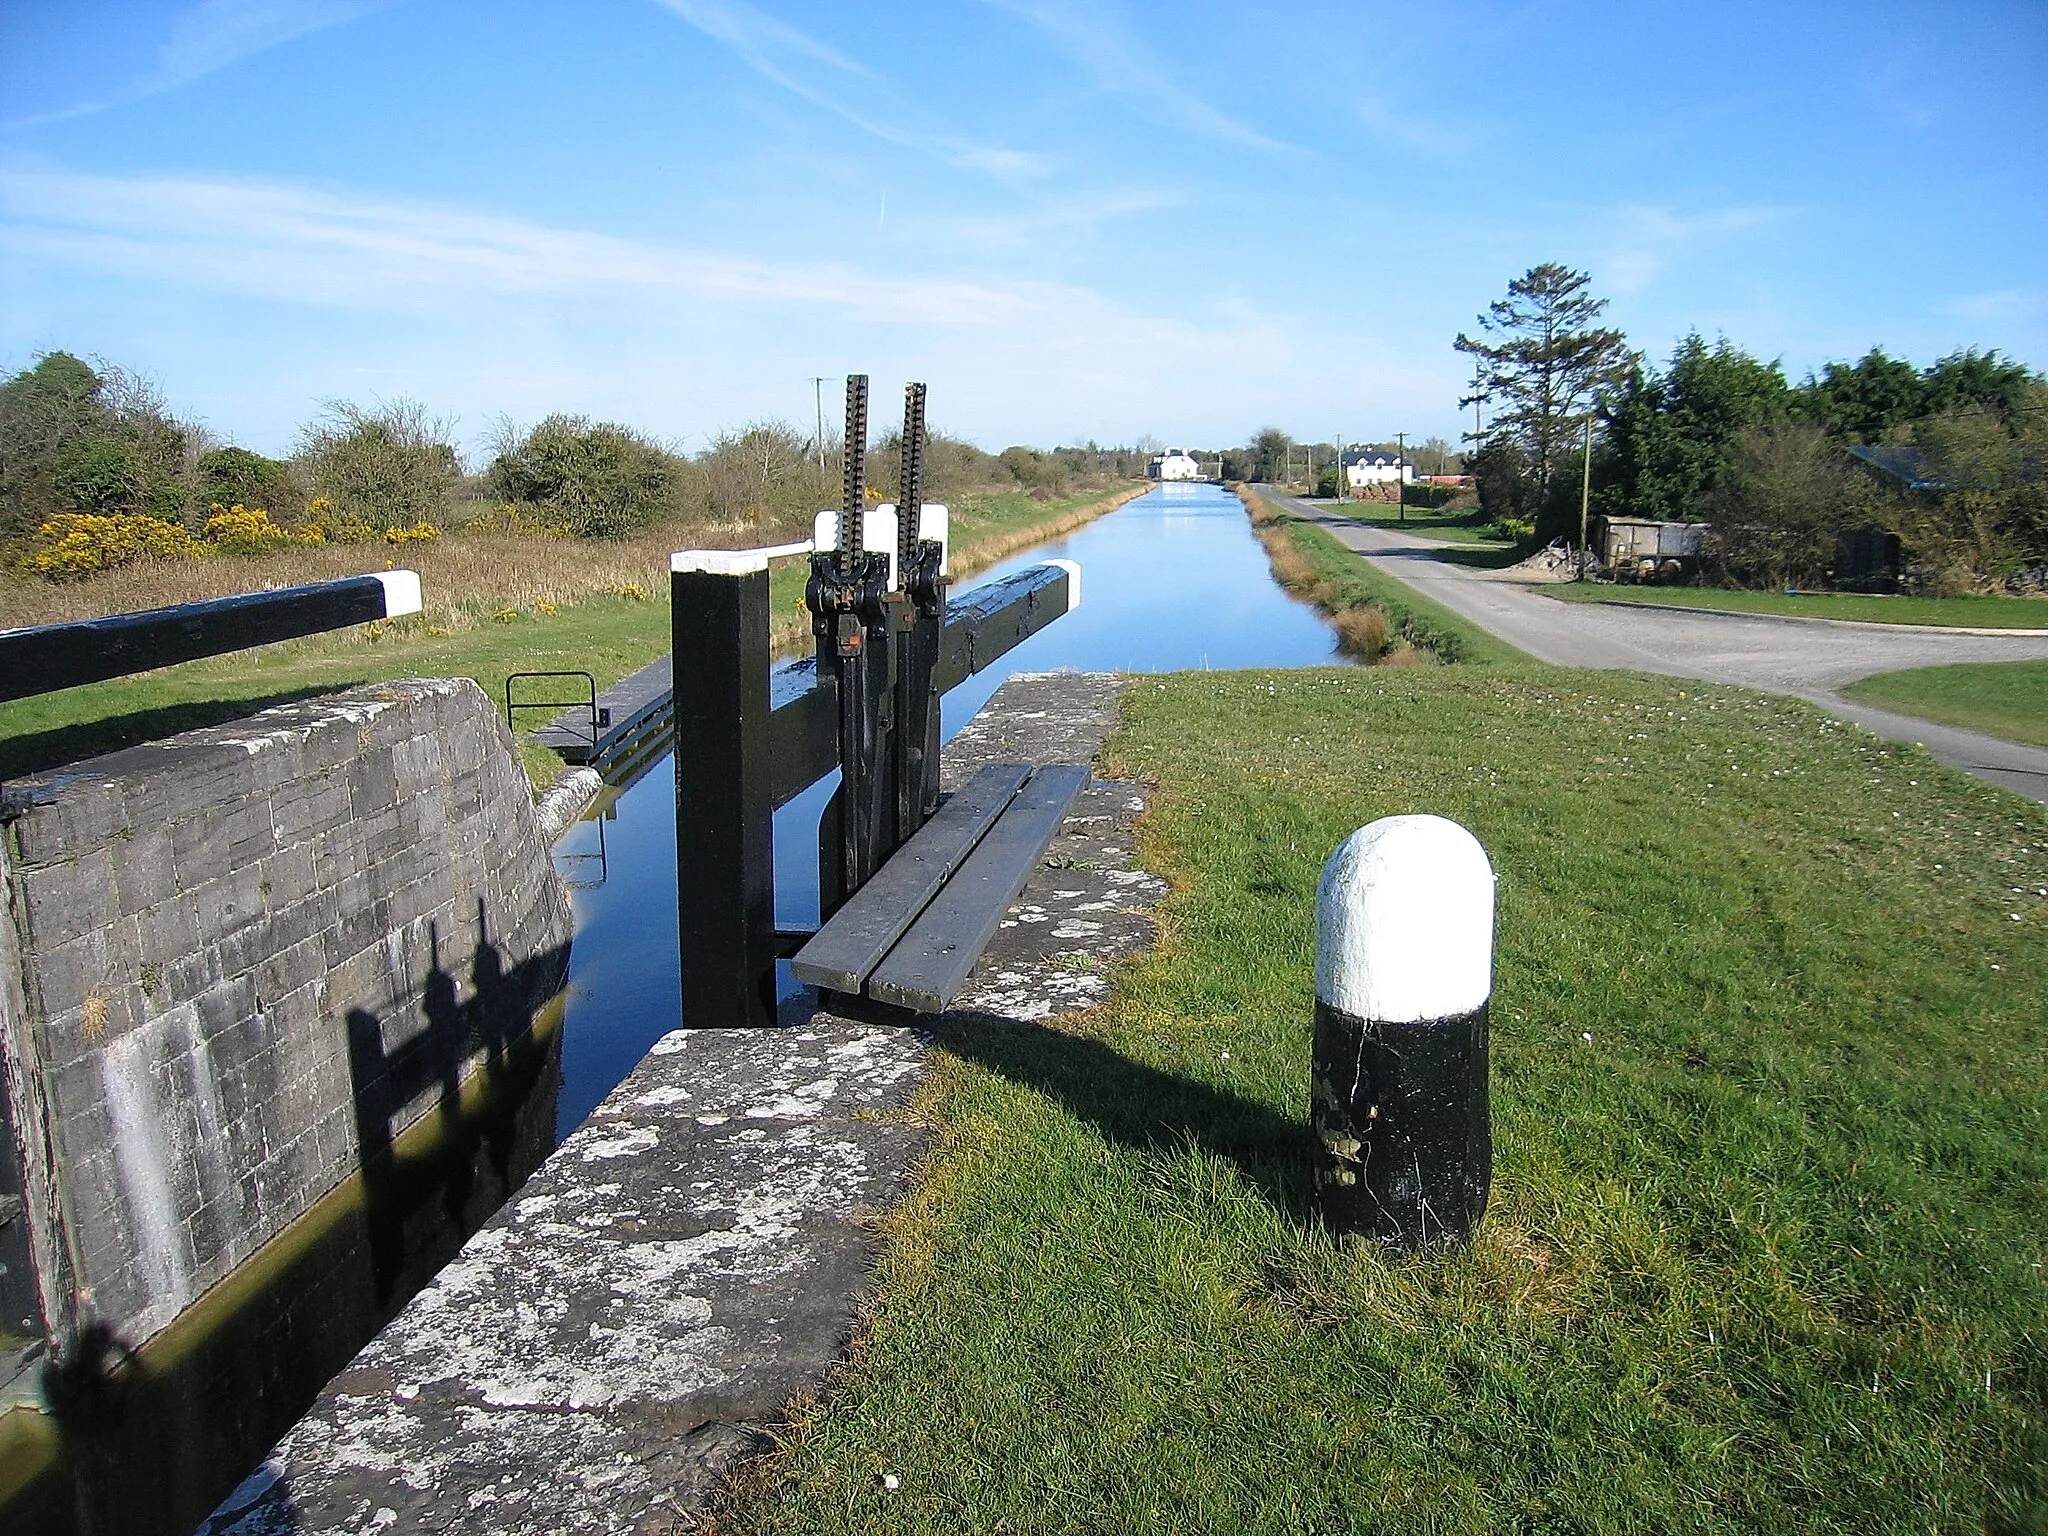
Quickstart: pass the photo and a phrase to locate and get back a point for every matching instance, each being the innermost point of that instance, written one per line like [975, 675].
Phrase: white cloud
[484, 312]
[1638, 240]
[819, 73]
[217, 33]
[1139, 71]
[299, 245]
[210, 37]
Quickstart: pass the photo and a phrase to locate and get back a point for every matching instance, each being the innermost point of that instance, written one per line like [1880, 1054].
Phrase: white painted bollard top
[1404, 922]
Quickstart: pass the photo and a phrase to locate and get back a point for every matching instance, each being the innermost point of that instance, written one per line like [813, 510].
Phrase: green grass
[1968, 612]
[1461, 525]
[1422, 621]
[2008, 699]
[1770, 1210]
[608, 637]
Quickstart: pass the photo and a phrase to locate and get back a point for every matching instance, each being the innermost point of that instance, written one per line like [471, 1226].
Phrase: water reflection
[1171, 581]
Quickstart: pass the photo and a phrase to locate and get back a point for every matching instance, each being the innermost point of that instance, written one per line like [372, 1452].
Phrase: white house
[1362, 469]
[1174, 464]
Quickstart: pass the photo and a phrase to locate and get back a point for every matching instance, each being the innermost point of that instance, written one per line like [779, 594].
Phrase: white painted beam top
[401, 592]
[733, 562]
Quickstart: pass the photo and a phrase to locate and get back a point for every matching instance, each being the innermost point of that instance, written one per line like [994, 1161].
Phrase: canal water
[1170, 581]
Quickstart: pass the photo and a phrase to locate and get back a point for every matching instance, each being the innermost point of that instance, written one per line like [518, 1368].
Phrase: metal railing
[599, 717]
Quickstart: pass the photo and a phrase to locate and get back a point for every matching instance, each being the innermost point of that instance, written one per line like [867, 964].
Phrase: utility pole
[1585, 496]
[1401, 473]
[818, 396]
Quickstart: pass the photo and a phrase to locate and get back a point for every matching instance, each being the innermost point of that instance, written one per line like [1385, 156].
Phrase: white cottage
[1365, 469]
[1174, 464]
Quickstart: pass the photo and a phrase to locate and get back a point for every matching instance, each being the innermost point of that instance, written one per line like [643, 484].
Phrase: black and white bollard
[1404, 968]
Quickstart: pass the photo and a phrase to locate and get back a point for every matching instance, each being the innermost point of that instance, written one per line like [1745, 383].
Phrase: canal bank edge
[696, 1255]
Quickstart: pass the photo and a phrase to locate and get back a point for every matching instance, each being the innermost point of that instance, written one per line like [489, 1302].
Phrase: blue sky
[1073, 220]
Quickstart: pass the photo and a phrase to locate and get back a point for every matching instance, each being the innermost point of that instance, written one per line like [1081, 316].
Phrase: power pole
[1401, 473]
[818, 396]
[1585, 496]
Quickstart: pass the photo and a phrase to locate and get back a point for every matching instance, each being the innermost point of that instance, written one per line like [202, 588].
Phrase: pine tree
[1539, 364]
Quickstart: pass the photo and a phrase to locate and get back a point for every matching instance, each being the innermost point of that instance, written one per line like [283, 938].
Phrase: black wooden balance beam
[46, 657]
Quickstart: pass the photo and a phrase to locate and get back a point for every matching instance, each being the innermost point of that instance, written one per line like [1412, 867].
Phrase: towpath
[1807, 658]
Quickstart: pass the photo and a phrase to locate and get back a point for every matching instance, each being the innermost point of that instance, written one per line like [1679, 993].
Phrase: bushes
[72, 545]
[87, 440]
[1429, 496]
[1787, 491]
[591, 480]
[80, 439]
[767, 474]
[384, 468]
[240, 530]
[230, 477]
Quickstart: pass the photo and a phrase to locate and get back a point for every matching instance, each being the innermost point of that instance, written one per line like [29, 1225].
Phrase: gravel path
[1808, 658]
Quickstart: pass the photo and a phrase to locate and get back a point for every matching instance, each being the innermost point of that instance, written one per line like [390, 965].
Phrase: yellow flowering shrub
[419, 533]
[240, 530]
[76, 544]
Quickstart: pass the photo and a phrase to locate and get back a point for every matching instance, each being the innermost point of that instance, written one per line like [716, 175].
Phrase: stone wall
[252, 955]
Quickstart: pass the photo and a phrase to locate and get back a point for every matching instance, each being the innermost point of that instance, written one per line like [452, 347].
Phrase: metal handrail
[599, 718]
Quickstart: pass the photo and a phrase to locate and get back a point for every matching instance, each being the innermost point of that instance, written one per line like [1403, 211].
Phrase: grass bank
[1771, 1199]
[470, 628]
[1976, 612]
[1376, 616]
[2008, 699]
[1459, 525]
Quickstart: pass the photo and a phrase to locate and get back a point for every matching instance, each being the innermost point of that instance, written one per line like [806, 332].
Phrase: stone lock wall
[252, 954]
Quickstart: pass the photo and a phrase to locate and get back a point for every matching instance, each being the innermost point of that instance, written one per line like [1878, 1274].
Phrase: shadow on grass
[1142, 1107]
[36, 751]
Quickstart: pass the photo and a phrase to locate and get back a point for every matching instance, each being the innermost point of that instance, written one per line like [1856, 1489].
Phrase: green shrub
[391, 467]
[72, 545]
[597, 479]
[234, 476]
[1428, 496]
[75, 438]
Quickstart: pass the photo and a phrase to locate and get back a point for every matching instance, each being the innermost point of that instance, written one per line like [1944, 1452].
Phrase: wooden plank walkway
[840, 955]
[929, 966]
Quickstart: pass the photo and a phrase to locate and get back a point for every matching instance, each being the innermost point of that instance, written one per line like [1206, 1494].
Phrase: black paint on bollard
[1404, 969]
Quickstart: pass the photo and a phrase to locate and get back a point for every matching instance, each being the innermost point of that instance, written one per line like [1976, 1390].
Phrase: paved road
[1806, 658]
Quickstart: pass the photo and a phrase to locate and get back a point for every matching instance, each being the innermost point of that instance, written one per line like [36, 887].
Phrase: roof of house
[1907, 465]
